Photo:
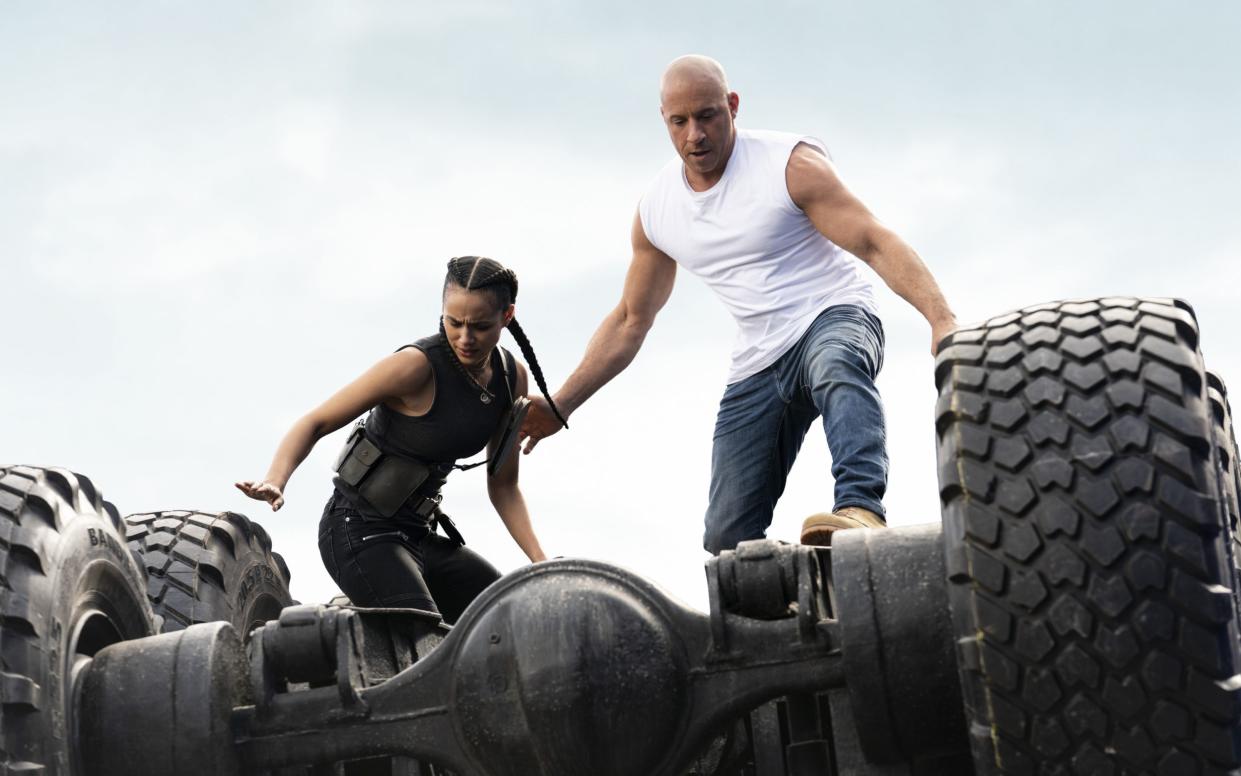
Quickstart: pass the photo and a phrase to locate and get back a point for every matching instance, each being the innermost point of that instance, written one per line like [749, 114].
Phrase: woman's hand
[262, 490]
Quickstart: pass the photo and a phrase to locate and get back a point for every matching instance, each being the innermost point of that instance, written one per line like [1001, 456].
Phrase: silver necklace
[486, 396]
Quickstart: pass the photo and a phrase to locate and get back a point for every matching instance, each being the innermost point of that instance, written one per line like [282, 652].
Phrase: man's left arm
[842, 218]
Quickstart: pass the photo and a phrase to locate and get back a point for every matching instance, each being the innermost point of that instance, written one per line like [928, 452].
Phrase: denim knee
[836, 363]
[717, 538]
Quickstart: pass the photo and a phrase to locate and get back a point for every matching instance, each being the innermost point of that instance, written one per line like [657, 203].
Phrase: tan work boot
[817, 529]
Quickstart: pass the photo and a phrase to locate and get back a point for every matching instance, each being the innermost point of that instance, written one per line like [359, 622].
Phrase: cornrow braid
[478, 273]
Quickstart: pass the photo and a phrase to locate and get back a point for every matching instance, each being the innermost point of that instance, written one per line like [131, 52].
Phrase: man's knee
[716, 541]
[717, 538]
[838, 361]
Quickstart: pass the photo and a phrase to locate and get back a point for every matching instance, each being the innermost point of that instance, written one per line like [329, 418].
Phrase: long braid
[528, 351]
[477, 273]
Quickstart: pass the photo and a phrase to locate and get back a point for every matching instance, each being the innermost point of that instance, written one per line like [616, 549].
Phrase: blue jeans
[763, 419]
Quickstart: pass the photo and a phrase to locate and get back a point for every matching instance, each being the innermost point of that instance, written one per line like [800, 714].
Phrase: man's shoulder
[766, 135]
[780, 143]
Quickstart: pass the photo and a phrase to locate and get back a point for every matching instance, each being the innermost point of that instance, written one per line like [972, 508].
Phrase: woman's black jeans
[397, 563]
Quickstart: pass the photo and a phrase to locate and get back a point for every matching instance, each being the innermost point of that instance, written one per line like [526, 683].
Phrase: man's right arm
[648, 285]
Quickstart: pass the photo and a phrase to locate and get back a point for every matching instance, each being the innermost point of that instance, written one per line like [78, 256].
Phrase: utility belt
[387, 481]
[450, 528]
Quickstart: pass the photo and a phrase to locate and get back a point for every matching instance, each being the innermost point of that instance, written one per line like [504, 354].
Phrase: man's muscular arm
[842, 218]
[617, 340]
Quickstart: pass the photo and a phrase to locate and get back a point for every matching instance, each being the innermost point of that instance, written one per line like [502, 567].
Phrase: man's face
[699, 117]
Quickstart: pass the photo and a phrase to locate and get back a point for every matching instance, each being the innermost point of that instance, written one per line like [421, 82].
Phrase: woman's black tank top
[458, 425]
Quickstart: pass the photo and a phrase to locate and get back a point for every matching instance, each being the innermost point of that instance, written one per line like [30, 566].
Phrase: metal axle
[567, 667]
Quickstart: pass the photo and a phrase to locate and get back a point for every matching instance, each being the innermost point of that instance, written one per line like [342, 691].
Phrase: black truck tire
[208, 566]
[1230, 471]
[1088, 543]
[68, 588]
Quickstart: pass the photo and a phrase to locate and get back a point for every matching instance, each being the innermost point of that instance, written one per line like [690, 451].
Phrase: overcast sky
[212, 215]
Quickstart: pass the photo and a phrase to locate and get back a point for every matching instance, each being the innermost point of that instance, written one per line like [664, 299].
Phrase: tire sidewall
[261, 595]
[1229, 487]
[89, 575]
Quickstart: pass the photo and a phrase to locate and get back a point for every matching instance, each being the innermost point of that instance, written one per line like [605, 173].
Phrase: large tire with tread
[208, 566]
[68, 588]
[1230, 470]
[1089, 544]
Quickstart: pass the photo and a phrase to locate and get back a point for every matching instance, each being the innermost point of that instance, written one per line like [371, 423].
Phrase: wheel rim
[266, 608]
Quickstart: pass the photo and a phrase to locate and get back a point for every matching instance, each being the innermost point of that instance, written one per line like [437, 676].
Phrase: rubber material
[1087, 543]
[1230, 471]
[897, 643]
[205, 566]
[68, 588]
[164, 705]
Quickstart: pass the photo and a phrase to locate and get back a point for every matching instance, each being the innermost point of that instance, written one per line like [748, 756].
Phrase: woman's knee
[383, 572]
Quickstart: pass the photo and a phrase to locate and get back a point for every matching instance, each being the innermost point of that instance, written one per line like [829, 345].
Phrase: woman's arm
[400, 376]
[506, 495]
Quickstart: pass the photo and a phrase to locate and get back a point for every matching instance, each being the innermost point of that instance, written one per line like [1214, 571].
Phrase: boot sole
[819, 533]
[819, 536]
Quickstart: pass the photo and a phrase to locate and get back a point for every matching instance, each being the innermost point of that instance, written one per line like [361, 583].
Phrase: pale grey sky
[214, 214]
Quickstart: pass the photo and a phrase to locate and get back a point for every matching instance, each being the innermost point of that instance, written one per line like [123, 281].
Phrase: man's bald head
[694, 70]
[698, 110]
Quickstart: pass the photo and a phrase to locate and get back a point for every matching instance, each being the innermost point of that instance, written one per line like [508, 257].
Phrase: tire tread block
[197, 561]
[38, 504]
[1112, 599]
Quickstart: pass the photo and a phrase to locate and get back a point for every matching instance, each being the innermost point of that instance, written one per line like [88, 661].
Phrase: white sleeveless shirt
[754, 247]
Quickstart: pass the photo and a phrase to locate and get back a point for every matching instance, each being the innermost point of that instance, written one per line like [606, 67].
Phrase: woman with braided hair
[431, 403]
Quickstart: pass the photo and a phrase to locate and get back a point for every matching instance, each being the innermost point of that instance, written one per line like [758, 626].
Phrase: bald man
[764, 220]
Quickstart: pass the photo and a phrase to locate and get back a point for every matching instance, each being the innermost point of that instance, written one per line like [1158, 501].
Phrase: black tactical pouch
[386, 481]
[357, 456]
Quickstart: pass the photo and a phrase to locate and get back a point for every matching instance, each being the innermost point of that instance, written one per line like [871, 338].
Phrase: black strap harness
[508, 387]
[388, 481]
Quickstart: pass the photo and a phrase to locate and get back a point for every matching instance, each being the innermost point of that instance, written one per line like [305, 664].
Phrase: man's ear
[733, 101]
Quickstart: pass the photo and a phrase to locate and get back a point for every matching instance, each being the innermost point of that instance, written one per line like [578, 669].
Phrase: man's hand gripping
[540, 423]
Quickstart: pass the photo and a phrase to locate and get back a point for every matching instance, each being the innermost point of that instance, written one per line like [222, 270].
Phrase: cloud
[317, 198]
[216, 216]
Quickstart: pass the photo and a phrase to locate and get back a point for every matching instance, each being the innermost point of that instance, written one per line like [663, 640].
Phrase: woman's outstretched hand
[262, 490]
